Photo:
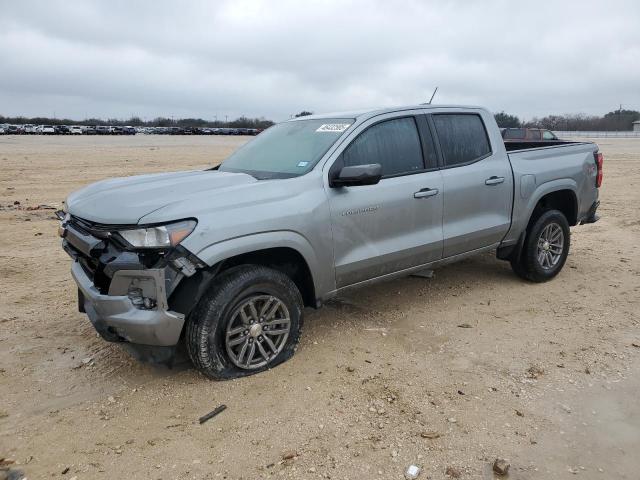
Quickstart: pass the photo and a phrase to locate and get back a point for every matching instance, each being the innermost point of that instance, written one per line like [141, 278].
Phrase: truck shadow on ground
[383, 300]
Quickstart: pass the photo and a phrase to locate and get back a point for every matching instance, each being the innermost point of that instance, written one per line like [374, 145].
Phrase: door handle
[425, 192]
[494, 180]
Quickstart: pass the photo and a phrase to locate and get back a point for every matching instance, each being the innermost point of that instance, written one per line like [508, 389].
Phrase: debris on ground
[519, 413]
[212, 414]
[289, 455]
[423, 274]
[564, 407]
[534, 371]
[501, 467]
[453, 472]
[465, 325]
[412, 471]
[430, 435]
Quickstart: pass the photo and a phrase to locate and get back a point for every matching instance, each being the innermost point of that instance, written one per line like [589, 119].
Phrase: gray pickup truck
[223, 261]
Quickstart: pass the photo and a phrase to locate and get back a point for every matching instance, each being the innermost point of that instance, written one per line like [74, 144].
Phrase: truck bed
[541, 166]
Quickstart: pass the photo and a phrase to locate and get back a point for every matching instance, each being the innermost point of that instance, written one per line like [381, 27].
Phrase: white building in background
[636, 126]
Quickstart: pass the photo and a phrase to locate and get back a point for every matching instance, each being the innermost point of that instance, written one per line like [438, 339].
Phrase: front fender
[232, 247]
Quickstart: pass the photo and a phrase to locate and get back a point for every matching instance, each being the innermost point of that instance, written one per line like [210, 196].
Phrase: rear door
[478, 183]
[396, 224]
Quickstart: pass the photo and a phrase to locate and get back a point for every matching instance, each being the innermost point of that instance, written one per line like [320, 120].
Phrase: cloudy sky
[273, 58]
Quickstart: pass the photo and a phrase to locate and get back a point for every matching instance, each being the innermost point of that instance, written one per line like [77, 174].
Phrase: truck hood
[124, 201]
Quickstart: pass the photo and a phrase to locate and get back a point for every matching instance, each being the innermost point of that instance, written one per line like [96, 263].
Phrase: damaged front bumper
[122, 316]
[124, 292]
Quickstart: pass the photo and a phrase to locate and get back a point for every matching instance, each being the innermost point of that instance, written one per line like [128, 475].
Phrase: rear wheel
[545, 249]
[249, 321]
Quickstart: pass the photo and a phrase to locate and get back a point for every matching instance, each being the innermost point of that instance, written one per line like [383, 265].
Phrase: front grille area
[93, 264]
[101, 254]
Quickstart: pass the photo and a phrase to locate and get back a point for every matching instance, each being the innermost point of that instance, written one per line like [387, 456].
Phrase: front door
[396, 224]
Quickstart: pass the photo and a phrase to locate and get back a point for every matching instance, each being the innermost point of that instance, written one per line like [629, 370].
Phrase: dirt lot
[546, 376]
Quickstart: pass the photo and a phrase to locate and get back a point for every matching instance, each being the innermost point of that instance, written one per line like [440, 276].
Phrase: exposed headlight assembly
[159, 236]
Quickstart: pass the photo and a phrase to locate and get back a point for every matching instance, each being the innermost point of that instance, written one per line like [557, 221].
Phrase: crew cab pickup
[225, 260]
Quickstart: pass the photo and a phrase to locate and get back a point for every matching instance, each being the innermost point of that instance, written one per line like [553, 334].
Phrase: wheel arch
[287, 252]
[563, 199]
[557, 195]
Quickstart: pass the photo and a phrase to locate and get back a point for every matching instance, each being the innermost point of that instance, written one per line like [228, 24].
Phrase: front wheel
[545, 249]
[250, 320]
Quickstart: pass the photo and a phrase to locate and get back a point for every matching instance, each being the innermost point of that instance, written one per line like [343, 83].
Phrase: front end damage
[125, 291]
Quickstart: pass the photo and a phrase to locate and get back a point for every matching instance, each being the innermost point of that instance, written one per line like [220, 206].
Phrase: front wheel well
[284, 259]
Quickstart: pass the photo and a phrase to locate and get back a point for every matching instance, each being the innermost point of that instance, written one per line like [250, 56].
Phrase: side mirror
[357, 175]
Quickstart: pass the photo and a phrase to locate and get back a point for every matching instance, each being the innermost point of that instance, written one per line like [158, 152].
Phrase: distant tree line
[618, 120]
[241, 122]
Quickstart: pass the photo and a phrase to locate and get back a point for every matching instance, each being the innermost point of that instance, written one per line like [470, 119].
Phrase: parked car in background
[128, 130]
[46, 130]
[14, 130]
[75, 130]
[102, 130]
[225, 259]
[62, 129]
[29, 129]
[2, 130]
[528, 134]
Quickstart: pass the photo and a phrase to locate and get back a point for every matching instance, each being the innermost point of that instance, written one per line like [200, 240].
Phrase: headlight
[160, 236]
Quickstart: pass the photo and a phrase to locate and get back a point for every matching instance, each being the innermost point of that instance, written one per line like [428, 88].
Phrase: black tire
[206, 331]
[528, 266]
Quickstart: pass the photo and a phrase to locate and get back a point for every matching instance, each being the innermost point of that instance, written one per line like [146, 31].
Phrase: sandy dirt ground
[445, 373]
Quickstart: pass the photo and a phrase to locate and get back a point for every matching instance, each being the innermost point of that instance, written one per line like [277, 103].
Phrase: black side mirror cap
[357, 175]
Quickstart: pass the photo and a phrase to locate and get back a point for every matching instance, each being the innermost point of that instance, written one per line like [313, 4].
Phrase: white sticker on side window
[333, 127]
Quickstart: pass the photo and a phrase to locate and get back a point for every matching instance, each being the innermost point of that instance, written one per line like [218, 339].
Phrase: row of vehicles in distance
[29, 129]
[198, 131]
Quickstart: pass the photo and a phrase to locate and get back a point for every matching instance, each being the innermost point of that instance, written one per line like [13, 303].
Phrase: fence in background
[568, 134]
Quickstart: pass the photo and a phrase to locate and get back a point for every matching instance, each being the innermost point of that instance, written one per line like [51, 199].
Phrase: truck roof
[366, 113]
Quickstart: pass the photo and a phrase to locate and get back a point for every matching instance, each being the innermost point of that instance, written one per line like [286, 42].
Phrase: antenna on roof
[434, 94]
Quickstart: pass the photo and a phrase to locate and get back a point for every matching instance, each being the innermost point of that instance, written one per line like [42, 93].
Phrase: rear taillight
[599, 161]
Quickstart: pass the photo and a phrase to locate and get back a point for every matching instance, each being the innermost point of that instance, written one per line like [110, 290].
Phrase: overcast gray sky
[274, 58]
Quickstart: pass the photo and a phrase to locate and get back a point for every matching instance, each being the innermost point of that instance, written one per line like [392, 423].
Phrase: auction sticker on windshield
[333, 127]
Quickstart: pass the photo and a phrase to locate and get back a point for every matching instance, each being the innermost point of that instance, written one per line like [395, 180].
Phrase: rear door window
[547, 135]
[463, 138]
[394, 144]
[534, 135]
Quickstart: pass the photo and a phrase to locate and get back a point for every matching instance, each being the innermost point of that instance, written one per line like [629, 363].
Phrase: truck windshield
[288, 149]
